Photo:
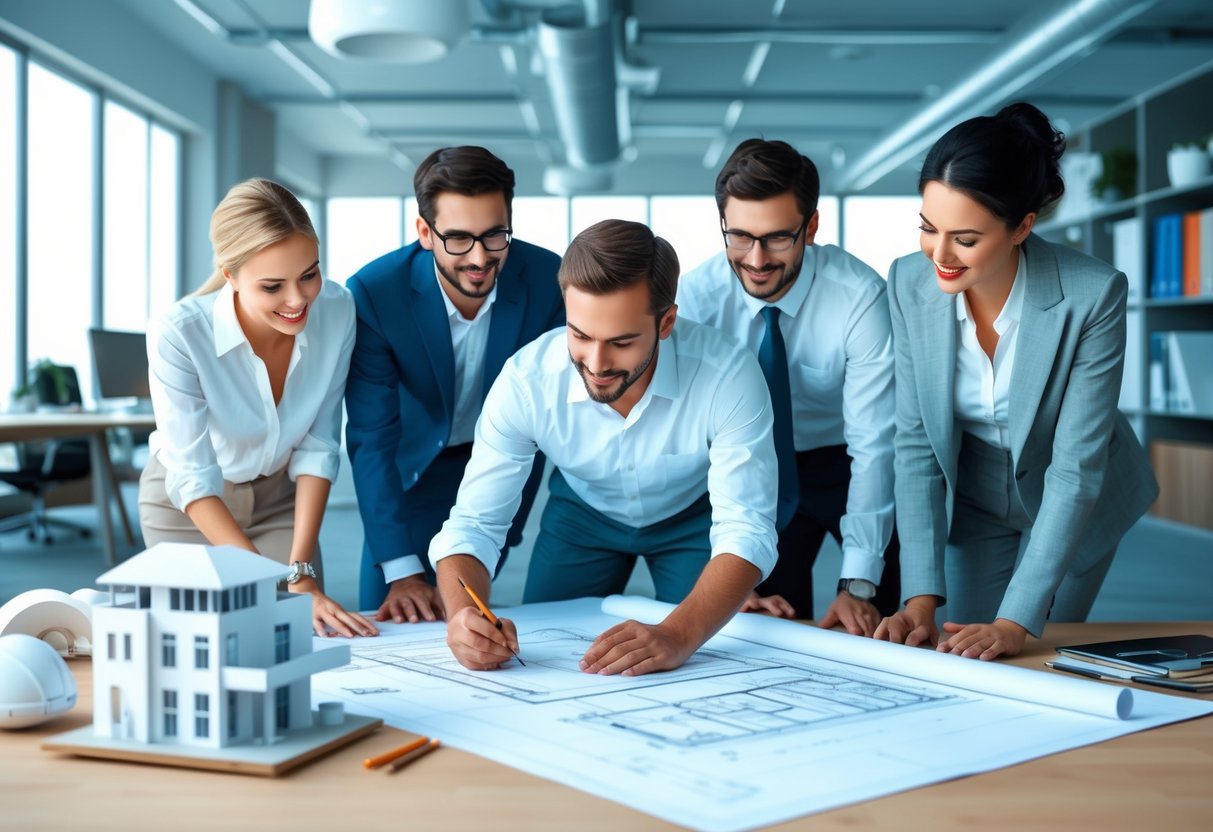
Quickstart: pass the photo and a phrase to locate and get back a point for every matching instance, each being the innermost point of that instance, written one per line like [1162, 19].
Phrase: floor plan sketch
[752, 730]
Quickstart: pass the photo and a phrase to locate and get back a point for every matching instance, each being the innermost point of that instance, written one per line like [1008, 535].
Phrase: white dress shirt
[703, 424]
[469, 339]
[215, 414]
[835, 324]
[983, 387]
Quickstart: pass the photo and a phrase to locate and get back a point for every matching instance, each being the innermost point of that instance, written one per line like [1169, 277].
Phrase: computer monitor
[120, 363]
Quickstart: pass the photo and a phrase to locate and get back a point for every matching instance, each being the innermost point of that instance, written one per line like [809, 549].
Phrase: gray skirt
[264, 509]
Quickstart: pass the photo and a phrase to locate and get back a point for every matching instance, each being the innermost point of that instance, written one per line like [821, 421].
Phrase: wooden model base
[297, 748]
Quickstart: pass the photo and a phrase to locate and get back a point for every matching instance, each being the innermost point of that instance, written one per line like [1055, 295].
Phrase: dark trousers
[427, 506]
[825, 477]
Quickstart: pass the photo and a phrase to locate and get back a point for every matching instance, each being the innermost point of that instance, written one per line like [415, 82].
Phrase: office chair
[43, 464]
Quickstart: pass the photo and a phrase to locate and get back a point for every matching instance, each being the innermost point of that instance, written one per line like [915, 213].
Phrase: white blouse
[215, 414]
[983, 388]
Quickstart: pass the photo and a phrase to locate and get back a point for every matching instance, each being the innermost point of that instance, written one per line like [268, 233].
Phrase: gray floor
[1164, 571]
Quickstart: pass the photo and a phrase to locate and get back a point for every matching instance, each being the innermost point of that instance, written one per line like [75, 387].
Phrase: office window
[691, 224]
[542, 220]
[168, 650]
[202, 715]
[62, 221]
[879, 229]
[282, 642]
[358, 231]
[202, 652]
[164, 223]
[587, 210]
[126, 242]
[828, 232]
[8, 223]
[411, 215]
[170, 713]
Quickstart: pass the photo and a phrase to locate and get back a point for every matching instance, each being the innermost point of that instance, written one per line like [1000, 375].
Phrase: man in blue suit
[437, 319]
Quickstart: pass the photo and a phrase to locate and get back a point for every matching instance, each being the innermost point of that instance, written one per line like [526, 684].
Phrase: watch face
[861, 589]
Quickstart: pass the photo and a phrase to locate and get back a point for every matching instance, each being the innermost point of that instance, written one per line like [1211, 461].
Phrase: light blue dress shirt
[703, 424]
[835, 324]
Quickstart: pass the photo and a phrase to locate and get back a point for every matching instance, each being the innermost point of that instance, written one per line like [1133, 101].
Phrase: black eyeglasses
[460, 243]
[740, 241]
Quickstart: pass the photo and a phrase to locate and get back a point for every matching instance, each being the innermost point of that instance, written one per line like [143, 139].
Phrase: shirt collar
[454, 314]
[1012, 308]
[228, 333]
[792, 302]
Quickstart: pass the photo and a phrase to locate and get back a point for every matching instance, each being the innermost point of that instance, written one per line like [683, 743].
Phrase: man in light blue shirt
[660, 433]
[833, 339]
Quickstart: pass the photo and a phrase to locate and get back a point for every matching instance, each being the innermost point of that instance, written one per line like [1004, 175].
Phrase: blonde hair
[253, 215]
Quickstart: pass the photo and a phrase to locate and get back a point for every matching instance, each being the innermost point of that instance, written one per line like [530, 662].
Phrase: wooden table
[22, 427]
[1156, 780]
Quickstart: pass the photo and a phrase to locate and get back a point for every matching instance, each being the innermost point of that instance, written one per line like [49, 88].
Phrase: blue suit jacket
[400, 397]
[1081, 474]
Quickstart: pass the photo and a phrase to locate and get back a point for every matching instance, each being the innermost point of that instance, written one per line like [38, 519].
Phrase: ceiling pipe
[1038, 44]
[579, 67]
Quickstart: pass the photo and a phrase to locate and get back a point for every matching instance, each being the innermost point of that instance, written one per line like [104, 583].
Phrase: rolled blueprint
[918, 663]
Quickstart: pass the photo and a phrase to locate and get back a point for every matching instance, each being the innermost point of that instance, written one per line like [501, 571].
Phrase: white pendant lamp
[401, 31]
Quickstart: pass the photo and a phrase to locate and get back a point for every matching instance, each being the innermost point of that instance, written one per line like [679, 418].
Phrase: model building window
[170, 713]
[202, 652]
[202, 715]
[282, 642]
[282, 707]
[168, 650]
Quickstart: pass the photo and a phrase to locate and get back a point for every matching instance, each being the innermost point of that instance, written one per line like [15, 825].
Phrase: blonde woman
[246, 377]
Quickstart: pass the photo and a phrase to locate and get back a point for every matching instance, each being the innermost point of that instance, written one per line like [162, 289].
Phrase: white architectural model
[206, 652]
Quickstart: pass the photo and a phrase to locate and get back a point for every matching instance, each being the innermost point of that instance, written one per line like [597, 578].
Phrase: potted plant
[1117, 178]
[49, 383]
[1187, 162]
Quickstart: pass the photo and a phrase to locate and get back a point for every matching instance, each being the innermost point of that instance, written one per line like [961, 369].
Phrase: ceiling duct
[1039, 44]
[579, 66]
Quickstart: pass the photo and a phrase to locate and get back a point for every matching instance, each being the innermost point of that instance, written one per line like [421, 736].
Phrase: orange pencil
[388, 756]
[487, 613]
[414, 754]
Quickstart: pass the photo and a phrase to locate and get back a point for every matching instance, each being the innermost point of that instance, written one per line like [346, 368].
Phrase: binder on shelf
[1192, 255]
[1126, 254]
[1166, 280]
[1190, 372]
[1206, 252]
[1158, 371]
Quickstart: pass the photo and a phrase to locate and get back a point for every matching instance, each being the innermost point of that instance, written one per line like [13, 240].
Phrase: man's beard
[790, 273]
[629, 379]
[458, 286]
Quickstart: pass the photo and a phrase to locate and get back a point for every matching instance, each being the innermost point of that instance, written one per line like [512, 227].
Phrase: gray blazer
[1081, 474]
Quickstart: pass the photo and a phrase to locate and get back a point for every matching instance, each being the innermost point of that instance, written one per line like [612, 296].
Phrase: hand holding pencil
[478, 638]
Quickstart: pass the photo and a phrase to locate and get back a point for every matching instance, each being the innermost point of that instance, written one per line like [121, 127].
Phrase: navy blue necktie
[773, 358]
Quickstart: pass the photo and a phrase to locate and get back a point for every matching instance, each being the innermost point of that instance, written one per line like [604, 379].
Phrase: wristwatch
[858, 588]
[300, 570]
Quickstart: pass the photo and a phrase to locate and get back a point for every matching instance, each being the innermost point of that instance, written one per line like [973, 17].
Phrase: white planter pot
[1186, 165]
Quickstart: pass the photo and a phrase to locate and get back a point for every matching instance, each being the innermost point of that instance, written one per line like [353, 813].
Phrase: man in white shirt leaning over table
[660, 434]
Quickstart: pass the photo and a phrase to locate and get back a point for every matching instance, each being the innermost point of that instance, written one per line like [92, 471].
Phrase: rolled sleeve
[399, 568]
[744, 473]
[503, 454]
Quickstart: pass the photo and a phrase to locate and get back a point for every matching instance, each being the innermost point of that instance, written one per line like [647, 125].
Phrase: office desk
[1155, 780]
[22, 427]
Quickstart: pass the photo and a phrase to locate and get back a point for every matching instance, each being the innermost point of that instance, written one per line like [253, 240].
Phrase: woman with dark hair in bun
[1016, 476]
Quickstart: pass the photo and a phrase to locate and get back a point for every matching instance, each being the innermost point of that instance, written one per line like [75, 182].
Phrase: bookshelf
[1124, 231]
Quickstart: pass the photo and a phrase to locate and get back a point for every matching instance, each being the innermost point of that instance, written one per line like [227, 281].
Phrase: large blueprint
[771, 720]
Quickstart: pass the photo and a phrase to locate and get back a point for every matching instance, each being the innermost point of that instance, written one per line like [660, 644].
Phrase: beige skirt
[263, 508]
